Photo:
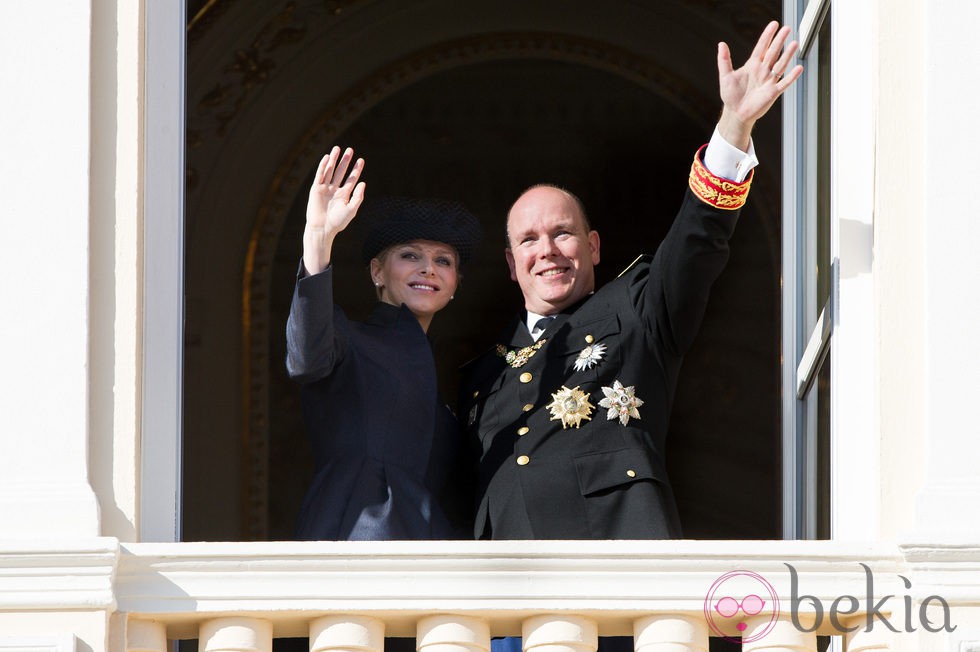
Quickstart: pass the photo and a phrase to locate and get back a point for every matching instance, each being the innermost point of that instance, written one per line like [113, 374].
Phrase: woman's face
[421, 274]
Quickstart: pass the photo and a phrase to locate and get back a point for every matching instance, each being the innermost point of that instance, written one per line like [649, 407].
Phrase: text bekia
[846, 605]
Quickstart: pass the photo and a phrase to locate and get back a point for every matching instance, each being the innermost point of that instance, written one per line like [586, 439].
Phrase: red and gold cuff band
[717, 191]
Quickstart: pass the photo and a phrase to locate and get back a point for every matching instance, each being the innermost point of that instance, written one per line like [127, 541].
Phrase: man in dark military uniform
[569, 416]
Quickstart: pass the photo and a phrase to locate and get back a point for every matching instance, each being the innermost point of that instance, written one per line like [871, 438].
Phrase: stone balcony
[453, 596]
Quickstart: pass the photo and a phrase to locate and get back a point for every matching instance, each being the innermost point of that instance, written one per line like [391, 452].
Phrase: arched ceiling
[270, 69]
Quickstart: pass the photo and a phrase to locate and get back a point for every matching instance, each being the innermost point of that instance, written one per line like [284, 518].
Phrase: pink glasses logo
[736, 596]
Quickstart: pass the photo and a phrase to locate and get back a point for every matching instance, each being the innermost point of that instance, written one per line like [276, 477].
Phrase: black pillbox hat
[394, 220]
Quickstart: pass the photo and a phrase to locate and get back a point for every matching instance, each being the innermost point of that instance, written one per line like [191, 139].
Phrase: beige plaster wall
[899, 264]
[115, 263]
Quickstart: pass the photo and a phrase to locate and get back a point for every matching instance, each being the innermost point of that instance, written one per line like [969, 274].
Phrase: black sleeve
[313, 344]
[671, 293]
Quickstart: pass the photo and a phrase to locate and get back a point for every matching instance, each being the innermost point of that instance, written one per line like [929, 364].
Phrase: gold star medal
[590, 356]
[621, 402]
[570, 406]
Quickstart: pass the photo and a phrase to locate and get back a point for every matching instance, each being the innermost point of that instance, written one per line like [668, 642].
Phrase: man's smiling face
[552, 252]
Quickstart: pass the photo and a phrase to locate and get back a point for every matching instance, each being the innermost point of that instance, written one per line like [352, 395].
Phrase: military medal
[570, 406]
[621, 402]
[519, 357]
[589, 356]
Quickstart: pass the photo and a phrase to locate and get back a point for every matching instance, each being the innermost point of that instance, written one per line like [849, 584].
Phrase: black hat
[394, 220]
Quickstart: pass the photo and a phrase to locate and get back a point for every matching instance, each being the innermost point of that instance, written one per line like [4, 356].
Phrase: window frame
[163, 271]
[844, 334]
[806, 336]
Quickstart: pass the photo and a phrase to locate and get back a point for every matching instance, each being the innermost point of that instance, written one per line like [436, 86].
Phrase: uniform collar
[560, 318]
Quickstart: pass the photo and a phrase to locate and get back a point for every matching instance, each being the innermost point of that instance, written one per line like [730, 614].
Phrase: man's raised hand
[749, 91]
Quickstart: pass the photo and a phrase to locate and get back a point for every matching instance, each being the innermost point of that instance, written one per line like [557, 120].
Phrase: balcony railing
[559, 595]
[454, 596]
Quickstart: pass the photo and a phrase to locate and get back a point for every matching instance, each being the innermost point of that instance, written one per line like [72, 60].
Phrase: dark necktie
[541, 325]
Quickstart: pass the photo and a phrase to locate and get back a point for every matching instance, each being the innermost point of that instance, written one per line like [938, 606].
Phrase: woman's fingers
[337, 179]
[325, 170]
[357, 196]
[355, 173]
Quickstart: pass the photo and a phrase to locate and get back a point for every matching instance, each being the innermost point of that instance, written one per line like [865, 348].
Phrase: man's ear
[509, 255]
[594, 246]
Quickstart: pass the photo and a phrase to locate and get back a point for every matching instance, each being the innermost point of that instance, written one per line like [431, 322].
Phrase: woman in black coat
[385, 446]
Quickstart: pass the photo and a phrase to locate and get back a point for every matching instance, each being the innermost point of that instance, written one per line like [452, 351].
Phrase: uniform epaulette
[717, 191]
[638, 260]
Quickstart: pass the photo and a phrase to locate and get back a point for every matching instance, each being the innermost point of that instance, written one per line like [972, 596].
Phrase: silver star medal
[590, 356]
[621, 402]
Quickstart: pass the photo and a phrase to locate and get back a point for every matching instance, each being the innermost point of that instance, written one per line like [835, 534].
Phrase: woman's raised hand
[333, 203]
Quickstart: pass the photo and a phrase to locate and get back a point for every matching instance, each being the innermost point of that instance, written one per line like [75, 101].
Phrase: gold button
[631, 473]
[523, 430]
[528, 407]
[523, 459]
[589, 339]
[476, 393]
[526, 377]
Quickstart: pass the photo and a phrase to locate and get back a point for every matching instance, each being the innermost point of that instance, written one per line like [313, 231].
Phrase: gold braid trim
[717, 191]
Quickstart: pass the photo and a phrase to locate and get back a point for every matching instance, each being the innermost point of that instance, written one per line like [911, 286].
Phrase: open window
[740, 427]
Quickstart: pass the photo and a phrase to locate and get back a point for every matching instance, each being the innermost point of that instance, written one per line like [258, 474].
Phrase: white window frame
[849, 318]
[163, 271]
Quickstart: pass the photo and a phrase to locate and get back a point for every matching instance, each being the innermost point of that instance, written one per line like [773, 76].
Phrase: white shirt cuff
[727, 161]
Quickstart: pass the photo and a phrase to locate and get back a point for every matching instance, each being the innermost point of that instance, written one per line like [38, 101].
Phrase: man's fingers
[776, 46]
[783, 63]
[724, 60]
[789, 78]
[762, 45]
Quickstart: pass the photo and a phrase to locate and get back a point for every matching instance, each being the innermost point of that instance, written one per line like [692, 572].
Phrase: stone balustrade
[455, 596]
[560, 596]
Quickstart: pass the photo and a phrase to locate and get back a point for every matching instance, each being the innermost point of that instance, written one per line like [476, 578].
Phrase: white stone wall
[45, 267]
[70, 269]
[951, 103]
